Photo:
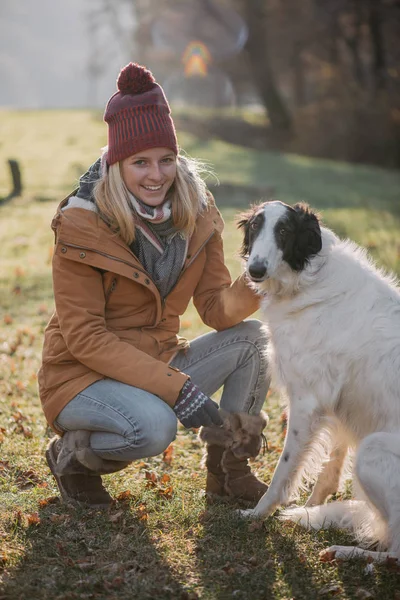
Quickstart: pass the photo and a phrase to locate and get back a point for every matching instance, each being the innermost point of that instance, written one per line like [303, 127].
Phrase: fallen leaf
[7, 319]
[167, 454]
[327, 555]
[124, 496]
[49, 500]
[59, 519]
[165, 478]
[166, 493]
[142, 512]
[151, 478]
[33, 519]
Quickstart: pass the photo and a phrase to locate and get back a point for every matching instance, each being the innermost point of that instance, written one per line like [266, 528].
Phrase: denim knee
[152, 439]
[255, 331]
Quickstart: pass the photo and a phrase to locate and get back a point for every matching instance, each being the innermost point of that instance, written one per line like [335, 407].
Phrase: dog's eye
[282, 231]
[254, 225]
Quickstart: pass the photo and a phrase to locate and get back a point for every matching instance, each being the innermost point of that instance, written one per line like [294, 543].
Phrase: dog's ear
[243, 222]
[307, 241]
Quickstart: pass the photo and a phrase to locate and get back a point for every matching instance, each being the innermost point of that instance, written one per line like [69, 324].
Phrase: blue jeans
[129, 423]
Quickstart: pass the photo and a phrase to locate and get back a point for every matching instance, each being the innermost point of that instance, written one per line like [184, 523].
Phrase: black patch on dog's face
[252, 223]
[298, 235]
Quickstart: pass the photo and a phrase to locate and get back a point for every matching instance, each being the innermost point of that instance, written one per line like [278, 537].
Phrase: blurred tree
[321, 68]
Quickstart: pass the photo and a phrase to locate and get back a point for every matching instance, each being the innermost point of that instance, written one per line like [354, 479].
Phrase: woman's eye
[139, 163]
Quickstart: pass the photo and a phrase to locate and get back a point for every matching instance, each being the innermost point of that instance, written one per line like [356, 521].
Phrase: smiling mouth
[152, 188]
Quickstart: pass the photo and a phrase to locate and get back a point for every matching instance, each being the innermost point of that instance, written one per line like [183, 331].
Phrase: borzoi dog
[334, 330]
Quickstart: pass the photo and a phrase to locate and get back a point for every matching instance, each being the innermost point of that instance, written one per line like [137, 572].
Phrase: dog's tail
[354, 515]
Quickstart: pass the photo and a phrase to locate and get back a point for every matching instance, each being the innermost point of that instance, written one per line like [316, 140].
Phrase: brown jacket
[110, 320]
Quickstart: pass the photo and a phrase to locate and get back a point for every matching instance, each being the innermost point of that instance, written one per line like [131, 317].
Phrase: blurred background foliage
[316, 77]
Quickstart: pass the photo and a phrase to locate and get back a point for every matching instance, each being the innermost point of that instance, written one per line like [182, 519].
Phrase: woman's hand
[194, 409]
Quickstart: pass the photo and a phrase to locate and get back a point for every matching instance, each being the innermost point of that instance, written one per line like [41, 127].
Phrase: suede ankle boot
[227, 452]
[76, 469]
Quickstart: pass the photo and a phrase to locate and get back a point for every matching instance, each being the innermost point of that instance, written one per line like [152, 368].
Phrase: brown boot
[78, 483]
[228, 451]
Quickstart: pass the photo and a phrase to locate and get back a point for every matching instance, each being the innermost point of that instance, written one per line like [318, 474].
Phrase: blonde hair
[188, 195]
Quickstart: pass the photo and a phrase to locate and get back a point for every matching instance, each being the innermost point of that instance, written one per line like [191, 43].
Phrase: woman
[141, 238]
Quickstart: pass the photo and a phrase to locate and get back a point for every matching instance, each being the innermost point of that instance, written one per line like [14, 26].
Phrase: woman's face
[149, 174]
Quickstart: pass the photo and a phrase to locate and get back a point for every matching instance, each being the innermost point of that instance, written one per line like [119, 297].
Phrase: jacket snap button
[169, 375]
[82, 255]
[63, 250]
[189, 256]
[147, 281]
[136, 275]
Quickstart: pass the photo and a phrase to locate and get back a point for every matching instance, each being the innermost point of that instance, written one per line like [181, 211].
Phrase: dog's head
[276, 235]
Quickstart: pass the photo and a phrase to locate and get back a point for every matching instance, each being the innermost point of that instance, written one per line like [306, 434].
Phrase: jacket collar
[81, 225]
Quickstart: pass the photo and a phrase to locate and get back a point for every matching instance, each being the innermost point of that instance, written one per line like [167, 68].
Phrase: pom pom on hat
[135, 79]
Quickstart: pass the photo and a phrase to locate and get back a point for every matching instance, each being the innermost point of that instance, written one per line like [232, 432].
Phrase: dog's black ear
[307, 240]
[243, 222]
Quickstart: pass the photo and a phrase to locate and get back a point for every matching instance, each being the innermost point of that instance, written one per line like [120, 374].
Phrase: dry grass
[160, 540]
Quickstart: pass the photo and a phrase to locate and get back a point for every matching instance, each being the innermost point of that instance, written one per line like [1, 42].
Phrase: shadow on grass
[73, 554]
[250, 560]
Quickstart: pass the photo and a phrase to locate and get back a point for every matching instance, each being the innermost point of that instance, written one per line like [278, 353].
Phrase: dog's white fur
[334, 347]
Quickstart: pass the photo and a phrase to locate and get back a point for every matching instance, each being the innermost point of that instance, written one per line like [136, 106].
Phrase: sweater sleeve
[220, 302]
[80, 306]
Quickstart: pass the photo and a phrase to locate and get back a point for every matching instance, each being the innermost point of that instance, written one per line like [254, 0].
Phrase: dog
[334, 348]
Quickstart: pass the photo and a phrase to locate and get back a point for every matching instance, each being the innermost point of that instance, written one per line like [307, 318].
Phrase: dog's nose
[257, 270]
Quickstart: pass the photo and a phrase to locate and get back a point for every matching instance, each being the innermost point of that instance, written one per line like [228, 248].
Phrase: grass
[160, 540]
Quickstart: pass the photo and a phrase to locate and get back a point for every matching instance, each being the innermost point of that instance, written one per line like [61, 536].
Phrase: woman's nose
[155, 172]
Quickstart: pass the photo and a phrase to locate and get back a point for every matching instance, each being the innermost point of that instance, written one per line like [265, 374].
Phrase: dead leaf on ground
[124, 496]
[59, 519]
[33, 519]
[142, 512]
[166, 493]
[327, 555]
[151, 478]
[167, 454]
[50, 500]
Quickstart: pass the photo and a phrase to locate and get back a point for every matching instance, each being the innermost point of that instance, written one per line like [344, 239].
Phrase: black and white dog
[334, 330]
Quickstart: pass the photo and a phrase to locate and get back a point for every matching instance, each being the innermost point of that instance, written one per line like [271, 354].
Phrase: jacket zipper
[111, 289]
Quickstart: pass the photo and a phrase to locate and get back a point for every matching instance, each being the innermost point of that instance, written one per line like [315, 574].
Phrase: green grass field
[160, 540]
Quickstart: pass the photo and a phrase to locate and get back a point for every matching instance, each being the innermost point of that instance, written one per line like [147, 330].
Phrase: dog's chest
[300, 357]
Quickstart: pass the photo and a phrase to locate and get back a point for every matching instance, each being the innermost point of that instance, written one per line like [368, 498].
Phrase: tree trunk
[257, 49]
[375, 28]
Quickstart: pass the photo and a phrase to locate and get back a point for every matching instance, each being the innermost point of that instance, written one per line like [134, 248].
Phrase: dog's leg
[377, 469]
[328, 480]
[298, 439]
[350, 552]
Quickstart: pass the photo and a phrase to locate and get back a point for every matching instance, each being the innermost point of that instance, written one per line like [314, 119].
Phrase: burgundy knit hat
[138, 115]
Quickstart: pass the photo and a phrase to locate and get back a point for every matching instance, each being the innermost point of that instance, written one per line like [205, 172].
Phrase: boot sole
[65, 498]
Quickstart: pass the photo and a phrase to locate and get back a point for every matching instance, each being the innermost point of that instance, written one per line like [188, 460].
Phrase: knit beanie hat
[138, 115]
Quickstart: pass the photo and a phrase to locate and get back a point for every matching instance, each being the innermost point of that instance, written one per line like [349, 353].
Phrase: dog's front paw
[248, 513]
